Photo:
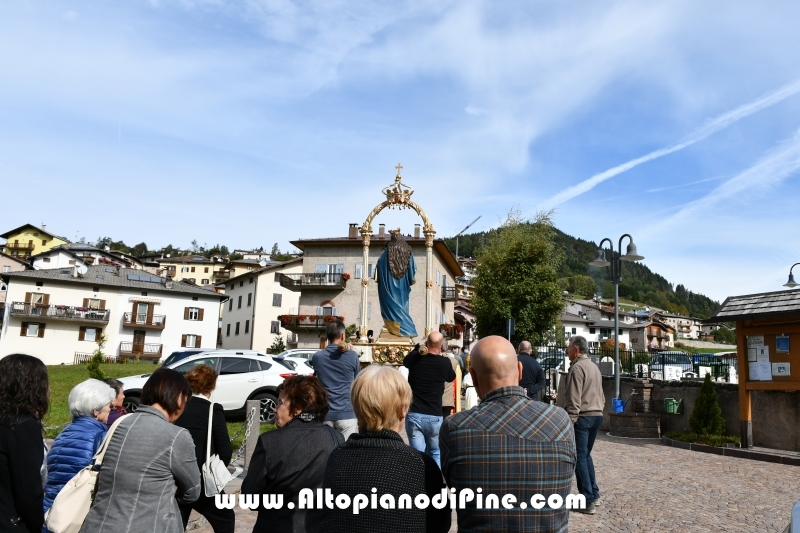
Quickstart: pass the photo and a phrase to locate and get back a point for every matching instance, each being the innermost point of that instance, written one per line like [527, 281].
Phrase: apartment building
[257, 298]
[28, 240]
[197, 269]
[57, 314]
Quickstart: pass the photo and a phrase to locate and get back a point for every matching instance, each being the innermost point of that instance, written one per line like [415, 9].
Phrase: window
[3, 287]
[249, 299]
[359, 270]
[228, 331]
[369, 310]
[88, 334]
[193, 313]
[191, 341]
[32, 329]
[277, 299]
[278, 276]
[592, 331]
[40, 283]
[205, 270]
[251, 280]
[71, 262]
[240, 302]
[46, 259]
[185, 367]
[438, 277]
[371, 270]
[574, 331]
[241, 283]
[325, 268]
[205, 281]
[192, 269]
[95, 289]
[94, 303]
[44, 242]
[231, 286]
[237, 329]
[6, 268]
[249, 268]
[275, 327]
[184, 269]
[230, 304]
[247, 326]
[237, 365]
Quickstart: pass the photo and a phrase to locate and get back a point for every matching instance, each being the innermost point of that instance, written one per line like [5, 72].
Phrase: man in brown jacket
[584, 404]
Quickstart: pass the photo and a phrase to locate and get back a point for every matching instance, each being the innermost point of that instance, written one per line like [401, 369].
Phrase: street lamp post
[791, 283]
[616, 275]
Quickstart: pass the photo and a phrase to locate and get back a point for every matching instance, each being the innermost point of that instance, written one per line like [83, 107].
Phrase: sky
[253, 122]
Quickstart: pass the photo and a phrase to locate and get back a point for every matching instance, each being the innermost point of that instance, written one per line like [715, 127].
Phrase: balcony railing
[140, 350]
[141, 320]
[294, 322]
[222, 274]
[449, 294]
[19, 245]
[59, 312]
[298, 282]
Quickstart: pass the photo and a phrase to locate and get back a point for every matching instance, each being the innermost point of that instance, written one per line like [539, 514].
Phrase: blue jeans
[423, 433]
[585, 432]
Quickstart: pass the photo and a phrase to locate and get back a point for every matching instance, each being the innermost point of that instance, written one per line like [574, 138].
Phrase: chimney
[381, 230]
[44, 227]
[416, 231]
[353, 232]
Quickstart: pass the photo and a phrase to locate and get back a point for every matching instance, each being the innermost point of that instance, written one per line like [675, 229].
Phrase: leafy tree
[196, 248]
[98, 358]
[350, 330]
[275, 250]
[223, 250]
[140, 249]
[706, 416]
[277, 346]
[234, 257]
[517, 278]
[725, 336]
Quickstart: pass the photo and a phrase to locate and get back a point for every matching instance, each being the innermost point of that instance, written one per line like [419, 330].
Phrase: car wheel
[131, 403]
[268, 404]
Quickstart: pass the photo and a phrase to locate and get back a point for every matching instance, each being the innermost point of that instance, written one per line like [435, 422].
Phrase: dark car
[671, 359]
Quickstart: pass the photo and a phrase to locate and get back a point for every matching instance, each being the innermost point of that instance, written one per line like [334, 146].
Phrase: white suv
[242, 375]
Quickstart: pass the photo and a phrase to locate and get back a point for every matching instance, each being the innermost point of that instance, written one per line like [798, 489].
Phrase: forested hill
[639, 283]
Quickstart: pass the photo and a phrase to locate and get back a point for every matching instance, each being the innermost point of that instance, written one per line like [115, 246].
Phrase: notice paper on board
[760, 371]
[762, 354]
[780, 369]
[755, 340]
[752, 355]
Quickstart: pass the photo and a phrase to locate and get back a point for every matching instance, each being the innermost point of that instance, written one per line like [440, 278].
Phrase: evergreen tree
[278, 345]
[517, 278]
[706, 416]
[98, 358]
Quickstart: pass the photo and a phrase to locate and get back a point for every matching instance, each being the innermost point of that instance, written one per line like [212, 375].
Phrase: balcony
[140, 350]
[131, 320]
[307, 322]
[451, 331]
[59, 312]
[16, 245]
[298, 282]
[449, 294]
[222, 274]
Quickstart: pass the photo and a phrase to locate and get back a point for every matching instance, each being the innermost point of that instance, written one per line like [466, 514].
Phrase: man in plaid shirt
[507, 445]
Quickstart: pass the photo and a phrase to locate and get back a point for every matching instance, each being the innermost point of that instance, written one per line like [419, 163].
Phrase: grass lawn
[64, 377]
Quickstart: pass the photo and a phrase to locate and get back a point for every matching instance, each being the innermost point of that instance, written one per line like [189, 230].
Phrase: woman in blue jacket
[73, 449]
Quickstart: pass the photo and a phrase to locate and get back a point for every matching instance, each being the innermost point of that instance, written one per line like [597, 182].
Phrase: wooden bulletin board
[770, 331]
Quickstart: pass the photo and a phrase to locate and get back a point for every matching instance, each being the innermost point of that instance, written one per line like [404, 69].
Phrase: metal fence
[646, 364]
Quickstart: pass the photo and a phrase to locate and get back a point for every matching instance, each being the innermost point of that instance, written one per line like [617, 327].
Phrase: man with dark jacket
[584, 402]
[427, 375]
[337, 369]
[532, 379]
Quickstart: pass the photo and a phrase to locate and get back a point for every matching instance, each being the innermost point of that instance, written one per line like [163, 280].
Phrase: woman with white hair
[89, 404]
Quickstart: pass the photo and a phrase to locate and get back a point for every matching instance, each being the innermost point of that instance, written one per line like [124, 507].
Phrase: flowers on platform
[345, 276]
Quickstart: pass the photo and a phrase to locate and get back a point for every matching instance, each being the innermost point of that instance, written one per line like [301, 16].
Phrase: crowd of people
[339, 430]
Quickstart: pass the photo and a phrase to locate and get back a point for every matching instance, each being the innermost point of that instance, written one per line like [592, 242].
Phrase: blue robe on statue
[394, 297]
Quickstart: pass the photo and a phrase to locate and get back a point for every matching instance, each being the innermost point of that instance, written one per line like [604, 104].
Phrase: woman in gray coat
[150, 465]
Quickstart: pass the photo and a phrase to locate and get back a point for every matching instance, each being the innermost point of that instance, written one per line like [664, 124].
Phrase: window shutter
[186, 313]
[41, 330]
[319, 311]
[200, 315]
[197, 341]
[183, 341]
[82, 333]
[103, 304]
[28, 297]
[86, 302]
[45, 299]
[23, 331]
[334, 312]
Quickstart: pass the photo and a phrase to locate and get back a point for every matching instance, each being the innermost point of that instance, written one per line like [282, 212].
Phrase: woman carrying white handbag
[212, 446]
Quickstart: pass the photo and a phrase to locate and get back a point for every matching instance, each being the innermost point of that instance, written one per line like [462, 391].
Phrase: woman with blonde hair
[377, 461]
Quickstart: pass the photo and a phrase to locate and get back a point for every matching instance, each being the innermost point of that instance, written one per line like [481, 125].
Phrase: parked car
[243, 375]
[552, 361]
[174, 357]
[671, 359]
[305, 353]
[301, 365]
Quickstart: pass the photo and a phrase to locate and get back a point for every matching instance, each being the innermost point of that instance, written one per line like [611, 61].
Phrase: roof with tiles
[750, 306]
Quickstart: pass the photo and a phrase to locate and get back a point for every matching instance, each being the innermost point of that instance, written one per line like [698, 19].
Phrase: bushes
[706, 416]
[709, 440]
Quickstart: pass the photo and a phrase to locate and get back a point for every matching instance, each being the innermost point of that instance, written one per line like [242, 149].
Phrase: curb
[732, 452]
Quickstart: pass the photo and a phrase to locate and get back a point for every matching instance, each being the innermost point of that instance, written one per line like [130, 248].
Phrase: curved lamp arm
[791, 283]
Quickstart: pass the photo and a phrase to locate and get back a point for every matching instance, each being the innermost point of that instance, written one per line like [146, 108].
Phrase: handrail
[66, 312]
[294, 280]
[142, 319]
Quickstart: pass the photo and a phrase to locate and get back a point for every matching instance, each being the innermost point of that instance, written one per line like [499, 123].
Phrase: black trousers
[221, 520]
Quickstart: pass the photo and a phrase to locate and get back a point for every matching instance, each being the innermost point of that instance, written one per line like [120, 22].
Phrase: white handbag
[215, 474]
[74, 500]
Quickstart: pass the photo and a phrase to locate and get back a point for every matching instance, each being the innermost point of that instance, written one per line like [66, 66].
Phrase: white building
[78, 254]
[56, 314]
[250, 318]
[594, 331]
[686, 327]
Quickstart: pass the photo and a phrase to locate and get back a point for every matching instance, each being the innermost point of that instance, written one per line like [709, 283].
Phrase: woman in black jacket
[24, 399]
[292, 457]
[203, 380]
[376, 458]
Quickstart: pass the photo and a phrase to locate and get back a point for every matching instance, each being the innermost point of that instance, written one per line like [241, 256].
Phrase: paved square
[647, 487]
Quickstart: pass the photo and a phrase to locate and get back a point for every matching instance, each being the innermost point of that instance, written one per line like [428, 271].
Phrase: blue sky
[258, 121]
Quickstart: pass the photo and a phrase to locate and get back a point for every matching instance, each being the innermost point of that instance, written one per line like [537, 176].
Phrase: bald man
[427, 375]
[532, 378]
[507, 445]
